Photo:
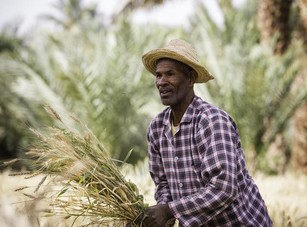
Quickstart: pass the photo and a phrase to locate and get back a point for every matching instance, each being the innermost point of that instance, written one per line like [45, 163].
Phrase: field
[285, 196]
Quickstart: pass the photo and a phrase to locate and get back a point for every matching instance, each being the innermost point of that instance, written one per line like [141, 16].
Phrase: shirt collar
[187, 117]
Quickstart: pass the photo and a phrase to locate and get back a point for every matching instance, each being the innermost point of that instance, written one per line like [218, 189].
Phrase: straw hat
[181, 51]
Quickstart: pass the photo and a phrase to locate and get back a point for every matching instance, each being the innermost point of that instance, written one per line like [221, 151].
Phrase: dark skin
[175, 83]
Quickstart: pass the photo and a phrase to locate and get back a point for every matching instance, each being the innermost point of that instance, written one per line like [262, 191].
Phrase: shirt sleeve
[216, 142]
[162, 191]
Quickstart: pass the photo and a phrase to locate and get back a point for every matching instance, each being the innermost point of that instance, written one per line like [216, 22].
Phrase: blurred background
[83, 58]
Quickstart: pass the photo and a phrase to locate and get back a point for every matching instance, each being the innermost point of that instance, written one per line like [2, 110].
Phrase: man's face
[173, 83]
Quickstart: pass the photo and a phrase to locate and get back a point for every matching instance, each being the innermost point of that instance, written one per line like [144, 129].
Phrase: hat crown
[183, 48]
[178, 50]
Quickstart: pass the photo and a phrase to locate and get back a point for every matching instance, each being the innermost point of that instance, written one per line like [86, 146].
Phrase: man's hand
[157, 216]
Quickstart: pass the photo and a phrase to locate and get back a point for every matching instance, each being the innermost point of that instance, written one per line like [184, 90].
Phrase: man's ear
[192, 76]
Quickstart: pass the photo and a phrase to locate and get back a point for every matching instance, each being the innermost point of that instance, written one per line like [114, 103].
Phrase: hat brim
[150, 62]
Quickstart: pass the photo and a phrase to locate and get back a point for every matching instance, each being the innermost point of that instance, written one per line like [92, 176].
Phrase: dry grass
[83, 181]
[77, 183]
[285, 196]
[23, 207]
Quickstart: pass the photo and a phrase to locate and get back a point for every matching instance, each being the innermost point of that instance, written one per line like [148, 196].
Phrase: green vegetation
[258, 88]
[91, 68]
[94, 71]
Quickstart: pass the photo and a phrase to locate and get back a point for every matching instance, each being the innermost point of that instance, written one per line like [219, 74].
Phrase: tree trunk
[299, 146]
[273, 22]
[302, 24]
[299, 140]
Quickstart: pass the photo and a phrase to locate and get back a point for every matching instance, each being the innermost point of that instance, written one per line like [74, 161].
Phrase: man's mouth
[164, 92]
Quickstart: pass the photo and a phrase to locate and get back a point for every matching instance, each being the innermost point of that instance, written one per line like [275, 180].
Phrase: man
[195, 156]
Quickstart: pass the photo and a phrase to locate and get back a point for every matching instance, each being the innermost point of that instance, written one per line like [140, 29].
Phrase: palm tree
[128, 7]
[96, 75]
[274, 17]
[302, 23]
[273, 21]
[9, 136]
[299, 145]
[251, 83]
[99, 77]
[16, 114]
[75, 14]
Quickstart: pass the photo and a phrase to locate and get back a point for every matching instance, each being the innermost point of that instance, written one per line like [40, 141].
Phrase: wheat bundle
[94, 186]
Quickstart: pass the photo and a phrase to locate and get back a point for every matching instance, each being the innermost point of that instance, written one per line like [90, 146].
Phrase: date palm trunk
[299, 142]
[273, 21]
[274, 25]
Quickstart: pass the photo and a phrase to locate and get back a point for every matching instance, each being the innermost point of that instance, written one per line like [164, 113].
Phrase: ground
[285, 196]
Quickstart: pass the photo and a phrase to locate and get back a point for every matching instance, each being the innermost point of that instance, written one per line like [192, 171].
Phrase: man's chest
[181, 161]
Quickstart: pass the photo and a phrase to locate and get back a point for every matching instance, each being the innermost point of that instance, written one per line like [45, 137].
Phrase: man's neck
[178, 111]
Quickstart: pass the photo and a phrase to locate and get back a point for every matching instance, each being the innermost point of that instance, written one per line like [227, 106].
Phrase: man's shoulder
[207, 109]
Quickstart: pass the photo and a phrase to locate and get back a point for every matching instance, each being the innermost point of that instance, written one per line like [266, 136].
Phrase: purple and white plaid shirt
[200, 171]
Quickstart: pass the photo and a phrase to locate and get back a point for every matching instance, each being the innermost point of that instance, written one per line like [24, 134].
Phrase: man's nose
[160, 81]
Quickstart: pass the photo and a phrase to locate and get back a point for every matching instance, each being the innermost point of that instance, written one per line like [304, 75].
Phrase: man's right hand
[154, 216]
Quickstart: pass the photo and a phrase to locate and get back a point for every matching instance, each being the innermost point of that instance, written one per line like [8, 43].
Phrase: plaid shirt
[200, 171]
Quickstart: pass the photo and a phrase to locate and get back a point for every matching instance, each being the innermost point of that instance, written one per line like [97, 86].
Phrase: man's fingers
[140, 218]
[137, 221]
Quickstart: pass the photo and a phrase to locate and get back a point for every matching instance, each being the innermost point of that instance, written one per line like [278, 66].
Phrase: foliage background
[90, 67]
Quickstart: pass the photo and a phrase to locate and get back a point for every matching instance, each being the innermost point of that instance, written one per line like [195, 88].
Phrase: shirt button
[176, 158]
[180, 185]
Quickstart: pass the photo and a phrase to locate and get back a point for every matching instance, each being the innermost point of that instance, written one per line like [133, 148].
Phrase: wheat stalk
[93, 187]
